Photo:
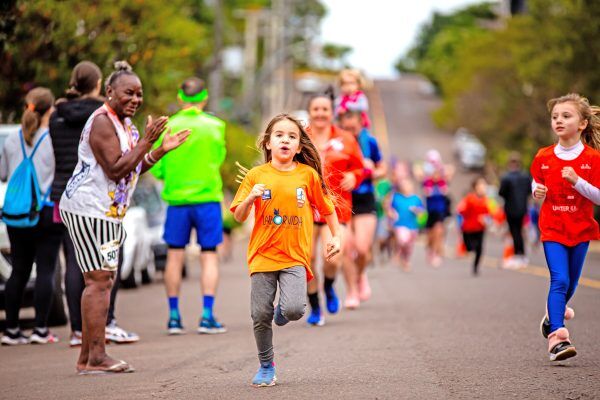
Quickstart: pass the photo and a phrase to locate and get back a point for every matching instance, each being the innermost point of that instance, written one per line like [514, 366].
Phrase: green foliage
[496, 82]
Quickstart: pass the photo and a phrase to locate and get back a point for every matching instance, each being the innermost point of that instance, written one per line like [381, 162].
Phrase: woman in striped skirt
[111, 156]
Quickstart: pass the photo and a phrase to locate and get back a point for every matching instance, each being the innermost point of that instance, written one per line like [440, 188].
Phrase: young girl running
[284, 192]
[474, 211]
[404, 208]
[566, 177]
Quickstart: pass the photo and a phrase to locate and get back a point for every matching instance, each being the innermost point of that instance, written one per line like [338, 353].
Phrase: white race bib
[110, 252]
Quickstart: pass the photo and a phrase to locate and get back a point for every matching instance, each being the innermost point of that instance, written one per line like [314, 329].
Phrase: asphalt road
[427, 334]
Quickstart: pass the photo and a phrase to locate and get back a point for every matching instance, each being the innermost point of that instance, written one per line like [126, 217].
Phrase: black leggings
[28, 245]
[74, 285]
[515, 225]
[474, 242]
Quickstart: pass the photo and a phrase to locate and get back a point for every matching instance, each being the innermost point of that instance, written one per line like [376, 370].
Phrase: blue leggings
[565, 264]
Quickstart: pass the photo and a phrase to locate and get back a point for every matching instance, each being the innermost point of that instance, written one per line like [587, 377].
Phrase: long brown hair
[591, 133]
[37, 102]
[308, 155]
[84, 79]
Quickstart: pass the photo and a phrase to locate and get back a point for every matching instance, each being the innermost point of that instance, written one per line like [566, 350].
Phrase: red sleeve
[536, 170]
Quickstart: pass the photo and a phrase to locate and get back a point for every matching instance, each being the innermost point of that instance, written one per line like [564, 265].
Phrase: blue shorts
[206, 218]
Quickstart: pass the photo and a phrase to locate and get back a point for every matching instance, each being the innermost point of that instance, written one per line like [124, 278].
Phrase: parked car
[469, 150]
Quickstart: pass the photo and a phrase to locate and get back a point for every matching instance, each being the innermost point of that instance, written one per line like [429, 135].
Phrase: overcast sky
[379, 31]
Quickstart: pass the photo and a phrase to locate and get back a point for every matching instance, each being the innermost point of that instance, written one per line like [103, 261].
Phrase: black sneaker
[545, 327]
[13, 339]
[562, 351]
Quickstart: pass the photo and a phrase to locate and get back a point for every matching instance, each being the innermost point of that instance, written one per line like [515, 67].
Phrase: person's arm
[107, 149]
[242, 210]
[355, 173]
[587, 190]
[335, 244]
[538, 189]
[503, 190]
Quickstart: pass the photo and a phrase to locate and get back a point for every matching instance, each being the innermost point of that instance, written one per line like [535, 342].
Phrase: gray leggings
[292, 302]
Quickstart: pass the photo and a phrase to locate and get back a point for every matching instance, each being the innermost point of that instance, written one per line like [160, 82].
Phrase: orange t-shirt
[283, 217]
[473, 208]
[566, 216]
[341, 154]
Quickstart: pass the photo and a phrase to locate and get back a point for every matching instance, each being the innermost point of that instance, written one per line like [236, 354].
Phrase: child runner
[474, 211]
[284, 192]
[566, 176]
[404, 207]
[343, 170]
[352, 97]
[360, 236]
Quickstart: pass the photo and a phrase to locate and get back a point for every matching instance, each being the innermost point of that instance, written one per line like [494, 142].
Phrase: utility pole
[252, 18]
[215, 79]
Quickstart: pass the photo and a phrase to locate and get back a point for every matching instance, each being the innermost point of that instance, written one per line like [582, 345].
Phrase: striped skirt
[96, 241]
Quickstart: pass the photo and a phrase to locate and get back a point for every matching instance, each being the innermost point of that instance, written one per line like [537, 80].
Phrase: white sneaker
[14, 339]
[39, 338]
[115, 334]
[75, 339]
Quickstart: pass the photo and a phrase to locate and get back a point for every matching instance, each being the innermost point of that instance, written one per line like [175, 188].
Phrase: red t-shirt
[566, 216]
[473, 209]
[340, 154]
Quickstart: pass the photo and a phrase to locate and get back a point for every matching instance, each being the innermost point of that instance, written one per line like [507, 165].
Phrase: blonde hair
[354, 74]
[37, 102]
[308, 155]
[591, 133]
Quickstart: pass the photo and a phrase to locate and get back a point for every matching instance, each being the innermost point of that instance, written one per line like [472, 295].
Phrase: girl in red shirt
[475, 212]
[343, 170]
[566, 178]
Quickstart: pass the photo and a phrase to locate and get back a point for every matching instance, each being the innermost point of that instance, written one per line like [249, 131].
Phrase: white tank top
[89, 191]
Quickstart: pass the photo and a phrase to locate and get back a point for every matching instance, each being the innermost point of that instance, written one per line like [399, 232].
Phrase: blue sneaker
[211, 326]
[174, 327]
[278, 317]
[333, 303]
[315, 318]
[265, 376]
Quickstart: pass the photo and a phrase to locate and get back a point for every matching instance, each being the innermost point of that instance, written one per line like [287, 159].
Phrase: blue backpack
[23, 201]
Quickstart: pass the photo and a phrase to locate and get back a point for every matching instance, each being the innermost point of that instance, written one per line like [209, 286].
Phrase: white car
[469, 150]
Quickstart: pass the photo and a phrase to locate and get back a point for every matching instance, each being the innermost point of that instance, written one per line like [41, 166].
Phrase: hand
[369, 164]
[540, 191]
[257, 191]
[348, 182]
[570, 175]
[171, 142]
[154, 128]
[333, 248]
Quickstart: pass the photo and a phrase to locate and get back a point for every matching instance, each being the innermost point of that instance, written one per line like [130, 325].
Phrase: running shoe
[265, 376]
[316, 318]
[545, 327]
[333, 303]
[75, 339]
[13, 339]
[364, 288]
[38, 337]
[562, 351]
[278, 317]
[116, 334]
[175, 327]
[211, 326]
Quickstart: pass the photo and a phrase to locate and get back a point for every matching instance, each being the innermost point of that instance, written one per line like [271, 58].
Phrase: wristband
[154, 161]
[148, 159]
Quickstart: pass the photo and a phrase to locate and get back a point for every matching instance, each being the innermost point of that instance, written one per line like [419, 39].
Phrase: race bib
[110, 253]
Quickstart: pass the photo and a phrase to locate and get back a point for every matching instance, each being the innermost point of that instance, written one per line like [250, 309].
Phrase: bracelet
[154, 161]
[148, 160]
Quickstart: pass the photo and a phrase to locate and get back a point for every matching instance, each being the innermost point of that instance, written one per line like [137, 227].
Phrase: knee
[99, 280]
[262, 315]
[293, 312]
[559, 284]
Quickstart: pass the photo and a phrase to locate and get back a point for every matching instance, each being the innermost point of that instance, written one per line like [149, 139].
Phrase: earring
[110, 98]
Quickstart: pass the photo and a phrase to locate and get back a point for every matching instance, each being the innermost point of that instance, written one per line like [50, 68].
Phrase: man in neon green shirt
[193, 191]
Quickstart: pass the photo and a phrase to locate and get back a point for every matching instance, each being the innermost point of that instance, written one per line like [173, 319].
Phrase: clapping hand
[154, 128]
[172, 141]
